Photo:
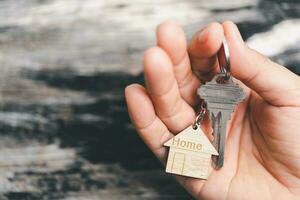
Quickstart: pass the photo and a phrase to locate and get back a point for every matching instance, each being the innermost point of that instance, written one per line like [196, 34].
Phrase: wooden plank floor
[64, 129]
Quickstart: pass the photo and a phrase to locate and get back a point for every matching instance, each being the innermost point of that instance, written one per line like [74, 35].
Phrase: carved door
[178, 163]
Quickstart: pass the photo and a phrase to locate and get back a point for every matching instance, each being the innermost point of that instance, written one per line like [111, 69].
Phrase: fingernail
[203, 36]
[237, 33]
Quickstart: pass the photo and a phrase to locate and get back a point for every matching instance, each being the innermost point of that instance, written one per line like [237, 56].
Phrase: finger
[150, 128]
[202, 49]
[153, 132]
[164, 92]
[274, 83]
[171, 38]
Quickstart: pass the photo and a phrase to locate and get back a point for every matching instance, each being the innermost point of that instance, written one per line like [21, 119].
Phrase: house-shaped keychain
[190, 154]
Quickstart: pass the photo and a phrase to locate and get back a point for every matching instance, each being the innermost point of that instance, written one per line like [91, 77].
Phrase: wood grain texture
[190, 154]
[64, 129]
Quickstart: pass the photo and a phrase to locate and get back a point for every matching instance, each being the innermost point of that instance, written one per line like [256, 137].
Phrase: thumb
[273, 82]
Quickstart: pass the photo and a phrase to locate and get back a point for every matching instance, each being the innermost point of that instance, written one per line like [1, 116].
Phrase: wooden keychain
[191, 152]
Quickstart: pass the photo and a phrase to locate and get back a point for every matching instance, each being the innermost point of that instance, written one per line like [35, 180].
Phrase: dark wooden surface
[64, 129]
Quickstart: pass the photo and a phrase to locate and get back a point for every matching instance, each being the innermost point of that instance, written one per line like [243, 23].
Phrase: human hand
[262, 151]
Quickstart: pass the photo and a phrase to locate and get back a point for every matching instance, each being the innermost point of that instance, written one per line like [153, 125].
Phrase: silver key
[221, 95]
[221, 99]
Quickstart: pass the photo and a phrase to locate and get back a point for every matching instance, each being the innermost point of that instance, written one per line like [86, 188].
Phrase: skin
[262, 154]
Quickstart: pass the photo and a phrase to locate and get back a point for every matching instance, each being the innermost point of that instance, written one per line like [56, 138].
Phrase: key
[221, 96]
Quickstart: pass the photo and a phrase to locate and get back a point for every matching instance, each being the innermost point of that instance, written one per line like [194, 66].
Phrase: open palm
[262, 153]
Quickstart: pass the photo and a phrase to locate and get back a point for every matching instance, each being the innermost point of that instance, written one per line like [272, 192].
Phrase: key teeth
[217, 163]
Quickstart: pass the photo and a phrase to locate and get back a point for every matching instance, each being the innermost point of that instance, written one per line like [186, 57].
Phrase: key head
[221, 96]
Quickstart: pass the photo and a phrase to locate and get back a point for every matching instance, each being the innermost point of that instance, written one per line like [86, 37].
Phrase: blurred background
[64, 128]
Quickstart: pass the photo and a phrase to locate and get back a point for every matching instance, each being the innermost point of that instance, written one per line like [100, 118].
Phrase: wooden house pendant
[190, 153]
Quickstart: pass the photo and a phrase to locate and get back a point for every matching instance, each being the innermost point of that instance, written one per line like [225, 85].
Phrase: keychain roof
[189, 139]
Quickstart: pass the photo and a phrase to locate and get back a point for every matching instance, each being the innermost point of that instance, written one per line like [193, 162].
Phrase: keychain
[191, 152]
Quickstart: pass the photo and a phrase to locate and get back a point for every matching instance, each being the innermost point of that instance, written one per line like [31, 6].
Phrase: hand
[262, 154]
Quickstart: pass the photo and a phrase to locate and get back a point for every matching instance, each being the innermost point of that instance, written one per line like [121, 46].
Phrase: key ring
[223, 59]
[200, 115]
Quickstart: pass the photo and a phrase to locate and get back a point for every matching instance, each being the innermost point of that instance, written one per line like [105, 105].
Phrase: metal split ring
[200, 115]
[223, 59]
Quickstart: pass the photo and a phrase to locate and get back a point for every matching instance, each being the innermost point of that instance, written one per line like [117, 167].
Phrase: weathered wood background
[64, 130]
